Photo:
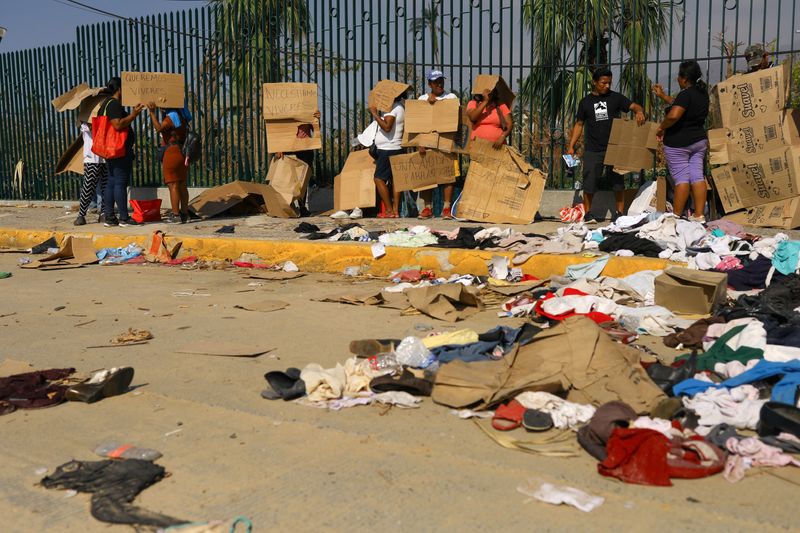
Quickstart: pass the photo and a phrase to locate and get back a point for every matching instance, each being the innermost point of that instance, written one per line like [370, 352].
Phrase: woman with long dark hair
[685, 140]
[174, 166]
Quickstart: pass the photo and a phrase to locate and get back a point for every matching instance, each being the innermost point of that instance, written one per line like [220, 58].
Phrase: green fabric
[720, 352]
[4, 275]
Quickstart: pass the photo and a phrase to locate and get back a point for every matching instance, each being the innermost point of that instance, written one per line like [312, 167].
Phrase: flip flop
[535, 420]
[287, 385]
[406, 382]
[508, 416]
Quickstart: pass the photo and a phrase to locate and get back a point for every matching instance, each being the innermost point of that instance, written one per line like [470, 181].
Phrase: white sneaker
[340, 215]
[356, 213]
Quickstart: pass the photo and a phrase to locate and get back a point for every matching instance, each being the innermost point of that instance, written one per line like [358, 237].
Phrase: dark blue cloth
[483, 350]
[119, 175]
[784, 391]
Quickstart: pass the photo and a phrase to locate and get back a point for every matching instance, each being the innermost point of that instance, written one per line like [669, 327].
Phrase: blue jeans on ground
[119, 175]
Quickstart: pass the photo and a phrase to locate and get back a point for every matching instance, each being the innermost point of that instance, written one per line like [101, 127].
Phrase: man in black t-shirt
[596, 111]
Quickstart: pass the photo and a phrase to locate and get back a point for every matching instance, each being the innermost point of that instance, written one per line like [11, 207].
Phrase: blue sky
[33, 23]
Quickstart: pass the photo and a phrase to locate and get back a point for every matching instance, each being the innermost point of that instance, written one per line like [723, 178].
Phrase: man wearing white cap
[436, 83]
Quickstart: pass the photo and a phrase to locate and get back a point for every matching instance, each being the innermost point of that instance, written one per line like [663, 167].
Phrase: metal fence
[227, 49]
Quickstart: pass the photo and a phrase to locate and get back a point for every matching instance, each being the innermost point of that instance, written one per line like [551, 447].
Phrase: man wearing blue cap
[436, 83]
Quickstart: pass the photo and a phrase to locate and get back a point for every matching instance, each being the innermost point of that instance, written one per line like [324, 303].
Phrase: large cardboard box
[489, 81]
[768, 132]
[382, 96]
[631, 147]
[687, 291]
[764, 177]
[784, 214]
[746, 97]
[415, 171]
[289, 176]
[355, 185]
[165, 89]
[290, 101]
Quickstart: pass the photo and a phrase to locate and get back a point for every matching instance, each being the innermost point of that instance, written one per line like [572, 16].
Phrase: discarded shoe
[406, 382]
[370, 347]
[667, 376]
[103, 384]
[79, 221]
[778, 418]
[508, 416]
[287, 385]
[535, 420]
[356, 214]
[338, 215]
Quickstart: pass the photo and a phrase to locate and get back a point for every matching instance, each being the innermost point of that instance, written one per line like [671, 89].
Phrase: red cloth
[647, 457]
[596, 316]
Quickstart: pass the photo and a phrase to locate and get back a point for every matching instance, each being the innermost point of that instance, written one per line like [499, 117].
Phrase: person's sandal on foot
[103, 384]
[426, 213]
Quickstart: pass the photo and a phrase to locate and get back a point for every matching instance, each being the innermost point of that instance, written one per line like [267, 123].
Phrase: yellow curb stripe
[316, 256]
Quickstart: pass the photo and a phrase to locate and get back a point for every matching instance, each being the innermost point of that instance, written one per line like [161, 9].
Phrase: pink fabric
[729, 263]
[750, 452]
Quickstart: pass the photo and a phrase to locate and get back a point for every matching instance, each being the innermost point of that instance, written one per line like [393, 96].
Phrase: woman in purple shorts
[685, 141]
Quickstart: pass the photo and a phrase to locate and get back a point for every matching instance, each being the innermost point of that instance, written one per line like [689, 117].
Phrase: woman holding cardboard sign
[174, 164]
[491, 118]
[120, 169]
[685, 140]
[388, 143]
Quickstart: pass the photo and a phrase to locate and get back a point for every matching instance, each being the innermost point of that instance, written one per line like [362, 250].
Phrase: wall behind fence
[229, 48]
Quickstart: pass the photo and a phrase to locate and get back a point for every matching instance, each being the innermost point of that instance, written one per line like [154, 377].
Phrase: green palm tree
[571, 38]
[429, 21]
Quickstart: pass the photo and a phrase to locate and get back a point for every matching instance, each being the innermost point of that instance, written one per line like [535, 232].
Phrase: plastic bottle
[114, 450]
[412, 352]
[384, 362]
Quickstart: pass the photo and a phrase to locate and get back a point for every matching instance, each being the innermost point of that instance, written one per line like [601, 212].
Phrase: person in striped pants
[95, 175]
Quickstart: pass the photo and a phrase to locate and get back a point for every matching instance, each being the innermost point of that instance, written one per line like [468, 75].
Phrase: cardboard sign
[165, 89]
[683, 290]
[72, 158]
[440, 117]
[746, 97]
[488, 81]
[282, 136]
[411, 172]
[289, 177]
[765, 177]
[500, 187]
[73, 98]
[293, 101]
[784, 214]
[631, 147]
[382, 96]
[355, 185]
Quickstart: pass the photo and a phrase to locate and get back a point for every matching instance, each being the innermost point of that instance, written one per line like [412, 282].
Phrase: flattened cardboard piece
[74, 252]
[417, 171]
[687, 291]
[382, 96]
[289, 177]
[274, 275]
[463, 137]
[72, 99]
[90, 107]
[746, 97]
[718, 146]
[484, 152]
[353, 299]
[238, 198]
[264, 306]
[355, 185]
[631, 147]
[784, 214]
[791, 127]
[223, 349]
[444, 142]
[276, 205]
[443, 116]
[489, 81]
[769, 132]
[159, 251]
[72, 158]
[282, 136]
[450, 302]
[165, 89]
[752, 180]
[512, 289]
[292, 101]
[493, 194]
[661, 194]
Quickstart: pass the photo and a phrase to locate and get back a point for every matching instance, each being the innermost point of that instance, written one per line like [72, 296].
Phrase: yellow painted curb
[334, 257]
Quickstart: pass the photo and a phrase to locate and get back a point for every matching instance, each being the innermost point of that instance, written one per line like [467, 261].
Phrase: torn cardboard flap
[784, 214]
[355, 185]
[416, 171]
[72, 99]
[72, 158]
[160, 251]
[165, 89]
[292, 101]
[450, 302]
[491, 82]
[238, 198]
[74, 252]
[223, 349]
[421, 116]
[383, 95]
[282, 136]
[631, 147]
[289, 176]
[687, 291]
